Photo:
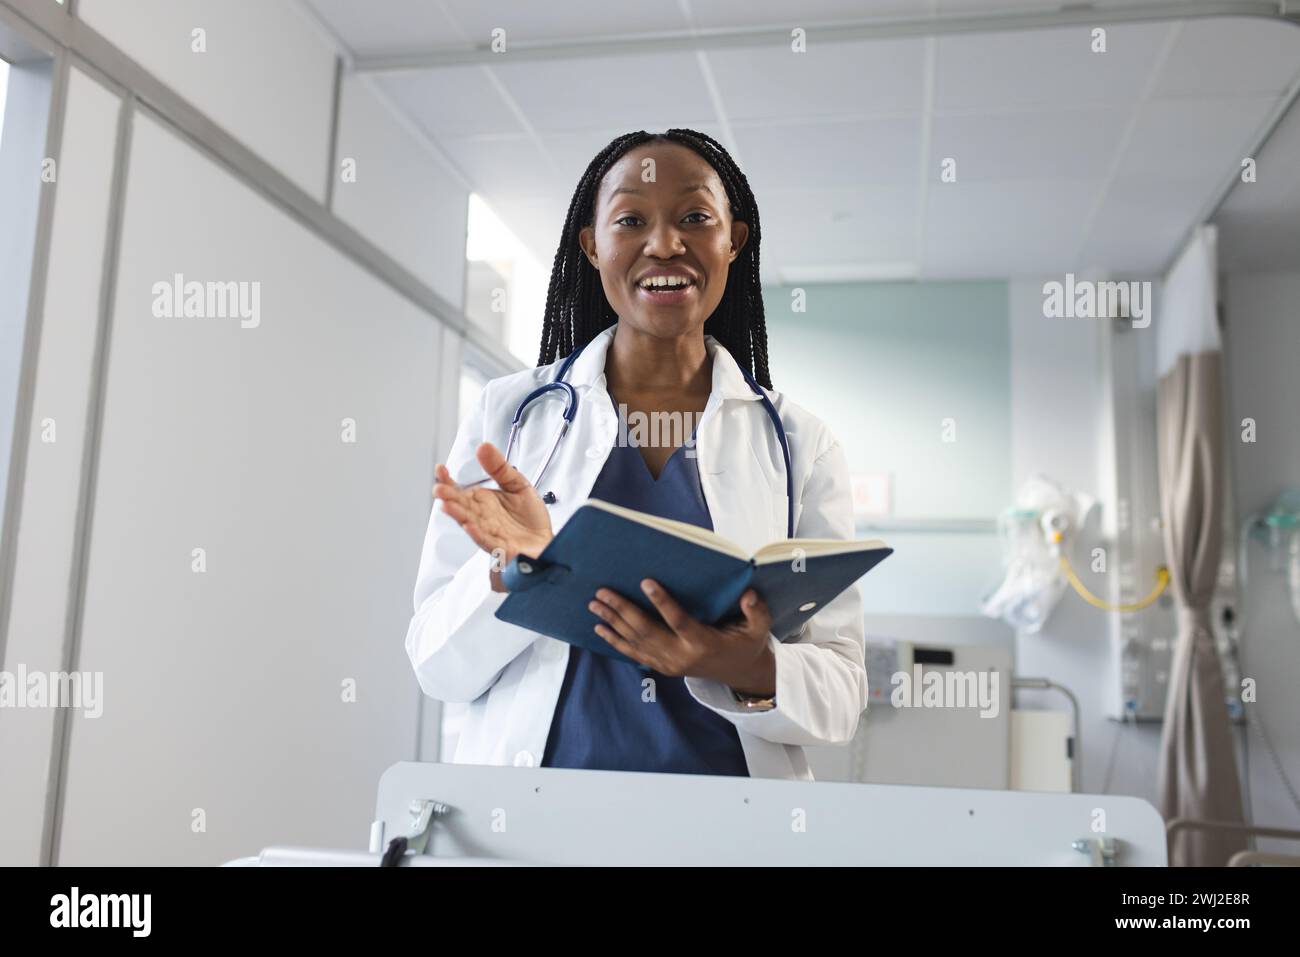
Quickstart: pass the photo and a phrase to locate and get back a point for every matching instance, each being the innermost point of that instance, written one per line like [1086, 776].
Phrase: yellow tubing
[1162, 582]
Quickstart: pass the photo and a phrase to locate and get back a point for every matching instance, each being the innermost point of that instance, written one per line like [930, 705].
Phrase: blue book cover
[603, 545]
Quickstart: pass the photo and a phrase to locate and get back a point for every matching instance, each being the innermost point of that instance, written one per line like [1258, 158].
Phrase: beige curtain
[1198, 766]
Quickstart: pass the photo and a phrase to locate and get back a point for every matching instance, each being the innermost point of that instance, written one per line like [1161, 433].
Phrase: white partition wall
[45, 545]
[399, 193]
[262, 70]
[227, 528]
[257, 473]
[24, 113]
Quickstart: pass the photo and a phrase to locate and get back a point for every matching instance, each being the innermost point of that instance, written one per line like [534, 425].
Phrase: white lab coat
[511, 677]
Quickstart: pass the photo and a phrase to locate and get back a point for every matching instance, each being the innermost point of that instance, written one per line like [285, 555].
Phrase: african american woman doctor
[655, 301]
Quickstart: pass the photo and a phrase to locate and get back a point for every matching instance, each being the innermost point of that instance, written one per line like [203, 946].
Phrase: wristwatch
[754, 702]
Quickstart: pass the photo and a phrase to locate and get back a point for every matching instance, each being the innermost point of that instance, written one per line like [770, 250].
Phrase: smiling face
[679, 226]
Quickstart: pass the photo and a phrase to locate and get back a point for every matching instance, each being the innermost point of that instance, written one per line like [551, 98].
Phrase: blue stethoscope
[571, 409]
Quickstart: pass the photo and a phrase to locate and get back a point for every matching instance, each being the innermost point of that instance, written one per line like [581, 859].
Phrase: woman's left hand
[737, 654]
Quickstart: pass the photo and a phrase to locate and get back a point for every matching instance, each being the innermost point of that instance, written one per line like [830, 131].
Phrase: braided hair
[576, 308]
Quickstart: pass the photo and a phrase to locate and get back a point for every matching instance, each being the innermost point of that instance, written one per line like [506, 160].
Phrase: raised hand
[505, 521]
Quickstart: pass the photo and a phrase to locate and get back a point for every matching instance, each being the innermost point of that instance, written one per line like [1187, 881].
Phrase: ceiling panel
[1015, 229]
[1202, 61]
[573, 152]
[813, 227]
[871, 152]
[1073, 144]
[504, 167]
[387, 26]
[1063, 162]
[1197, 141]
[652, 91]
[1139, 227]
[844, 78]
[1045, 68]
[452, 101]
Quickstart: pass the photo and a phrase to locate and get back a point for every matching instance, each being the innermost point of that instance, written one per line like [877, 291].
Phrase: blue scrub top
[601, 720]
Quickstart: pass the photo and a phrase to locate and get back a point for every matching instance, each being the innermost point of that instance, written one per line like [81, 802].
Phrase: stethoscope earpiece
[549, 498]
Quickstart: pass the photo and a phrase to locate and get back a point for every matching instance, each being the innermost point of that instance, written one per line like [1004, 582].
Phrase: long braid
[576, 308]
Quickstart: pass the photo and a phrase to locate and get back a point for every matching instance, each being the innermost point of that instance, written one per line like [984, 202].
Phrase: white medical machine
[457, 815]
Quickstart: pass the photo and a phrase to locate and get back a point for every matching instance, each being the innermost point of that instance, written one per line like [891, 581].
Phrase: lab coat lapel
[738, 487]
[740, 499]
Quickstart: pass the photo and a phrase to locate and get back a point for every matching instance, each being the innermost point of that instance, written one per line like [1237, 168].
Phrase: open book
[603, 545]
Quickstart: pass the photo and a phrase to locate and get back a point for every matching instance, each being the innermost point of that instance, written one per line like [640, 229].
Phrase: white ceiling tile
[1072, 145]
[831, 139]
[1004, 229]
[450, 101]
[503, 166]
[573, 152]
[1223, 57]
[811, 226]
[883, 76]
[877, 152]
[650, 92]
[387, 26]
[1050, 68]
[1139, 227]
[1197, 141]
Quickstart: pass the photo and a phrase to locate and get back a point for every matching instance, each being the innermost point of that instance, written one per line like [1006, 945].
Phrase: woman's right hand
[506, 521]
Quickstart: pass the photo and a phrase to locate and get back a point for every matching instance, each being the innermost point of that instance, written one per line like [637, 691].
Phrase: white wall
[266, 77]
[46, 534]
[1059, 384]
[23, 120]
[405, 198]
[1261, 346]
[884, 364]
[223, 691]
